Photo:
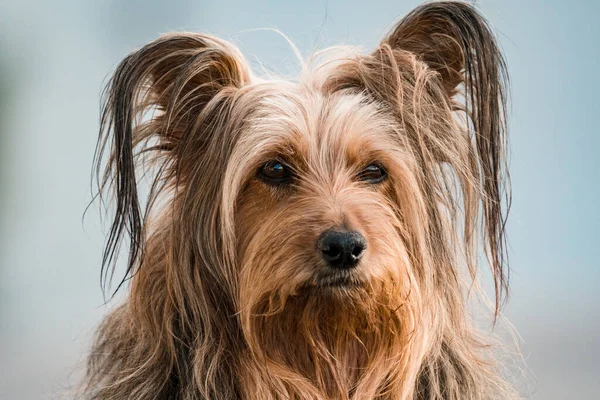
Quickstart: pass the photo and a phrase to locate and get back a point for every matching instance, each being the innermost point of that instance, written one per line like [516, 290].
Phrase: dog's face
[324, 182]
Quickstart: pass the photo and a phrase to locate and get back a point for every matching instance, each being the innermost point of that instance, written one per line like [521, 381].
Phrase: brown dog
[312, 239]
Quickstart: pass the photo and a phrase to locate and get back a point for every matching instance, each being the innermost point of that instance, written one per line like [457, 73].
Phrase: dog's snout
[341, 249]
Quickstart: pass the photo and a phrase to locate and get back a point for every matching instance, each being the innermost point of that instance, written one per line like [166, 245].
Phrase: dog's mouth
[337, 280]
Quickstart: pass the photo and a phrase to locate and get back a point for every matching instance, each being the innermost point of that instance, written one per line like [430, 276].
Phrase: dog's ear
[154, 102]
[454, 40]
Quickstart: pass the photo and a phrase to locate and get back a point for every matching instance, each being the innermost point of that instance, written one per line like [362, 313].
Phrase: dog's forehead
[305, 120]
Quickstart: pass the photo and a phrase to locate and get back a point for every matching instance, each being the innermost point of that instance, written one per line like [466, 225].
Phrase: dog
[308, 239]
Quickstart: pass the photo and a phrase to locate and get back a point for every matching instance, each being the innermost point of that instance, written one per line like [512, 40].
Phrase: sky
[55, 58]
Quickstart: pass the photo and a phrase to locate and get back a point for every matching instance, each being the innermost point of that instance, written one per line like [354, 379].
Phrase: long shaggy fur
[226, 298]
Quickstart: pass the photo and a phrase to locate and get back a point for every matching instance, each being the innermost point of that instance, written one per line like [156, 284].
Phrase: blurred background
[55, 57]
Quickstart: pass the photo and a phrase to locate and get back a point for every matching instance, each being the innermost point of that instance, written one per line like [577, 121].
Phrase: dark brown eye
[373, 173]
[275, 172]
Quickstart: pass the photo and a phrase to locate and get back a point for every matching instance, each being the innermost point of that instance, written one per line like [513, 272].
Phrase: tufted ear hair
[454, 40]
[158, 100]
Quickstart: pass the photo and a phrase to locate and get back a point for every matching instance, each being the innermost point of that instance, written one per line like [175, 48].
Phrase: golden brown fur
[227, 299]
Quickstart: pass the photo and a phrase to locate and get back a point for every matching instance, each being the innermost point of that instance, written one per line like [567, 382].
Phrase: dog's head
[354, 194]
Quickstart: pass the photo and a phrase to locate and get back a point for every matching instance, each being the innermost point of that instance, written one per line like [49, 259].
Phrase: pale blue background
[55, 55]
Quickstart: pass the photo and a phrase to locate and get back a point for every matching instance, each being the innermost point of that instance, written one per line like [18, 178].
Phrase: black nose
[341, 249]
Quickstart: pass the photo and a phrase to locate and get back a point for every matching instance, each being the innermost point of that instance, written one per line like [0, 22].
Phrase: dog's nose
[341, 250]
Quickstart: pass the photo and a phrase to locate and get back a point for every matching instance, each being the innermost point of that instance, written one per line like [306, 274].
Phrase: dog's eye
[373, 173]
[275, 172]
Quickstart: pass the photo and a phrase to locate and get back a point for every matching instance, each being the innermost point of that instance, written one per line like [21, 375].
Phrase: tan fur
[226, 300]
